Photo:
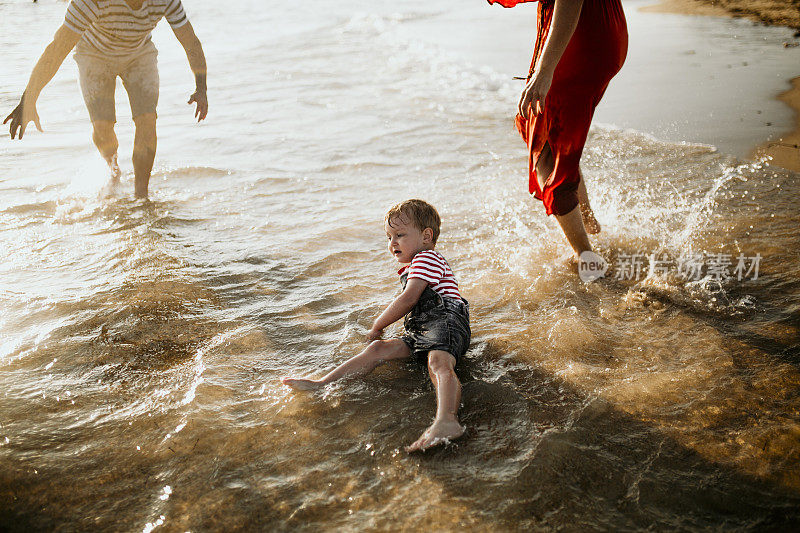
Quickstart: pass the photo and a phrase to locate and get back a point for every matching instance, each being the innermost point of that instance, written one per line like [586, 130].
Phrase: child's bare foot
[302, 384]
[589, 221]
[440, 432]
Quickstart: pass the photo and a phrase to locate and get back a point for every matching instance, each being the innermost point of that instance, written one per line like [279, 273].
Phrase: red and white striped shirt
[432, 267]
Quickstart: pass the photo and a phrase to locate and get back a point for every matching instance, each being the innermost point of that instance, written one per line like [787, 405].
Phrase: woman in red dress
[580, 46]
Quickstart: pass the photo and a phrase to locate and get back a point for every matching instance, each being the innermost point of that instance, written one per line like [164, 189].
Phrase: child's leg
[441, 367]
[377, 353]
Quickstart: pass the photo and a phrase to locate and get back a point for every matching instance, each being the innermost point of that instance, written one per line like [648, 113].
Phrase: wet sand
[773, 12]
[784, 151]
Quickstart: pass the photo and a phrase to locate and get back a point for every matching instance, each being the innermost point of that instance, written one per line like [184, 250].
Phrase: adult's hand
[531, 103]
[197, 61]
[199, 98]
[24, 113]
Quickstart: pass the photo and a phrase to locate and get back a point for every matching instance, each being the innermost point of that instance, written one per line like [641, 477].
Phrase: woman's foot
[302, 384]
[589, 222]
[440, 432]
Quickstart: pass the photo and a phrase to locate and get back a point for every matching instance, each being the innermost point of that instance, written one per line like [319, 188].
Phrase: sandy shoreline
[785, 151]
[772, 12]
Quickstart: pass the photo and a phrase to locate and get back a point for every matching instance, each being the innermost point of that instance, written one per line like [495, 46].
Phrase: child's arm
[398, 308]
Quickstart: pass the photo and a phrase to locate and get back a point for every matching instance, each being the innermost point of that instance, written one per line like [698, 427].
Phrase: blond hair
[419, 213]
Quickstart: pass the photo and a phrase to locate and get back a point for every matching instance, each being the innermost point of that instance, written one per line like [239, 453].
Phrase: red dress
[595, 53]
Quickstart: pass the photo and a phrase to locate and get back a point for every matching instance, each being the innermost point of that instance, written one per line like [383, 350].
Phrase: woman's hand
[531, 103]
[24, 113]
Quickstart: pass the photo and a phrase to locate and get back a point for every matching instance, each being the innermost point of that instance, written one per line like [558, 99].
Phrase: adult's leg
[141, 81]
[441, 368]
[144, 152]
[376, 354]
[589, 221]
[98, 79]
[572, 225]
[107, 144]
[572, 222]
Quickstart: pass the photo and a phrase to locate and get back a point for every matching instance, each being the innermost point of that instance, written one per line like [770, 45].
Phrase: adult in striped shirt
[112, 38]
[436, 320]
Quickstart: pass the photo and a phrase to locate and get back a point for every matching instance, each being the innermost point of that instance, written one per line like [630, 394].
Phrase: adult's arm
[53, 56]
[399, 307]
[565, 19]
[197, 62]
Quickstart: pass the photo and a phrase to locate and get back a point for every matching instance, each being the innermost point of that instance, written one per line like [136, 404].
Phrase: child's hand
[374, 334]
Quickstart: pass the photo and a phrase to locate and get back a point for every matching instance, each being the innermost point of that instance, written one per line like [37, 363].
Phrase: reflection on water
[141, 344]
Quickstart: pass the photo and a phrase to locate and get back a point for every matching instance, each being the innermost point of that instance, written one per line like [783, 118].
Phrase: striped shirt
[112, 27]
[431, 266]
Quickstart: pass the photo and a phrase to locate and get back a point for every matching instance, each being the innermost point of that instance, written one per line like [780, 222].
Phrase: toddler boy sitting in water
[436, 319]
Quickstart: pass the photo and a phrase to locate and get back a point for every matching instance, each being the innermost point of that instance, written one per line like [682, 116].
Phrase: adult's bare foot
[111, 188]
[589, 221]
[302, 384]
[114, 169]
[440, 432]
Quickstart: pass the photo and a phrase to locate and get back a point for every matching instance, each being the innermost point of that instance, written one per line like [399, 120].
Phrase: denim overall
[436, 323]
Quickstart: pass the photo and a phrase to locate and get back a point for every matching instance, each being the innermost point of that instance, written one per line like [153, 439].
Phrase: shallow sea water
[141, 345]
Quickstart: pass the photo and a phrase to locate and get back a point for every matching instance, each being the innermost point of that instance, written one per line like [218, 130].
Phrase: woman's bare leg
[572, 222]
[572, 225]
[441, 368]
[377, 353]
[589, 221]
